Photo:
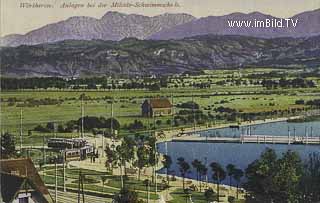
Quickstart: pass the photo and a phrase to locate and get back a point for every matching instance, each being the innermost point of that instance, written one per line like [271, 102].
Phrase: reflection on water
[240, 154]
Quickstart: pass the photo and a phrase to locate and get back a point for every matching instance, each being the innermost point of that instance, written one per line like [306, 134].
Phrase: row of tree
[81, 83]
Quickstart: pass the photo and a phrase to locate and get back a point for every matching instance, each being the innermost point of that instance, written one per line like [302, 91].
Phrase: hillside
[77, 58]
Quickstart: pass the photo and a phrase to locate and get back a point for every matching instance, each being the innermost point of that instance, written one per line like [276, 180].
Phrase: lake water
[275, 128]
[239, 154]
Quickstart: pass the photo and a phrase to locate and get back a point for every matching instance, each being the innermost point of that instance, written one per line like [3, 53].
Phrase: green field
[127, 103]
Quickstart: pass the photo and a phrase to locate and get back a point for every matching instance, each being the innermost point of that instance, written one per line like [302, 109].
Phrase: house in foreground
[156, 107]
[21, 183]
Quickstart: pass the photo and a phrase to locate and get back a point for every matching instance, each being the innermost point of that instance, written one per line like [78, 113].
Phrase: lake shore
[169, 134]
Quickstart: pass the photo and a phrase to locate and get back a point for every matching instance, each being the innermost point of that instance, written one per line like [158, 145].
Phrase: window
[24, 200]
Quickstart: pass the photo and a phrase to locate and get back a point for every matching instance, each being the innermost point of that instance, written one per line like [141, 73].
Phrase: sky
[17, 20]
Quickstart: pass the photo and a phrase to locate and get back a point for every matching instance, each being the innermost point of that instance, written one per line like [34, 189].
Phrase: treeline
[314, 103]
[90, 123]
[288, 83]
[82, 83]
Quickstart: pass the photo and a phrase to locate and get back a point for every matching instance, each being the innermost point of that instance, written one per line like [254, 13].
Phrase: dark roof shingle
[24, 168]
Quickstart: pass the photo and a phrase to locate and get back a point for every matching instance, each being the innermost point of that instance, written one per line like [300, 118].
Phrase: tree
[153, 159]
[7, 146]
[209, 195]
[112, 122]
[167, 162]
[112, 158]
[146, 182]
[184, 168]
[196, 164]
[259, 177]
[272, 179]
[155, 87]
[202, 171]
[129, 144]
[218, 174]
[237, 175]
[309, 186]
[230, 172]
[103, 179]
[142, 161]
[127, 196]
[287, 177]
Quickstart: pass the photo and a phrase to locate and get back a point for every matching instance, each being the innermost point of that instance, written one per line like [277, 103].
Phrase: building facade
[156, 107]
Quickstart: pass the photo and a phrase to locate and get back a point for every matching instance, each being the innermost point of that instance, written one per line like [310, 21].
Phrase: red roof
[160, 103]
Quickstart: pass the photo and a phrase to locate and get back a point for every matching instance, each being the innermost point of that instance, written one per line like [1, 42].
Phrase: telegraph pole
[148, 199]
[82, 118]
[56, 181]
[54, 130]
[64, 172]
[172, 112]
[44, 150]
[194, 116]
[21, 130]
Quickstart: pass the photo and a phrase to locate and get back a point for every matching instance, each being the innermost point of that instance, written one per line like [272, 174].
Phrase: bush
[136, 125]
[189, 105]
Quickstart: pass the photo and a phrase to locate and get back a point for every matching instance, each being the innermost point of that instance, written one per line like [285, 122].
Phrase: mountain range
[117, 26]
[131, 56]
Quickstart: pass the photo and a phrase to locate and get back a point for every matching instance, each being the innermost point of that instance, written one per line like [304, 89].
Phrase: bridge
[256, 139]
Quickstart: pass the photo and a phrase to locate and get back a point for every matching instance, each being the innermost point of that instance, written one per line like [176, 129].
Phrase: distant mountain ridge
[308, 25]
[112, 26]
[116, 26]
[130, 56]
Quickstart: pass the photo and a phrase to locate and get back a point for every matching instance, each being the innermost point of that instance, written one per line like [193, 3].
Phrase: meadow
[127, 103]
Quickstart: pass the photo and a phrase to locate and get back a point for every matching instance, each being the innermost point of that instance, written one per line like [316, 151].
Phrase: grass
[115, 181]
[92, 181]
[126, 111]
[127, 106]
[179, 196]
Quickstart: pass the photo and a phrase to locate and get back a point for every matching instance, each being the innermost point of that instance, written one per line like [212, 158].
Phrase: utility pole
[21, 131]
[148, 199]
[194, 116]
[44, 150]
[82, 118]
[172, 112]
[56, 180]
[80, 187]
[155, 170]
[54, 130]
[111, 124]
[64, 172]
[289, 136]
